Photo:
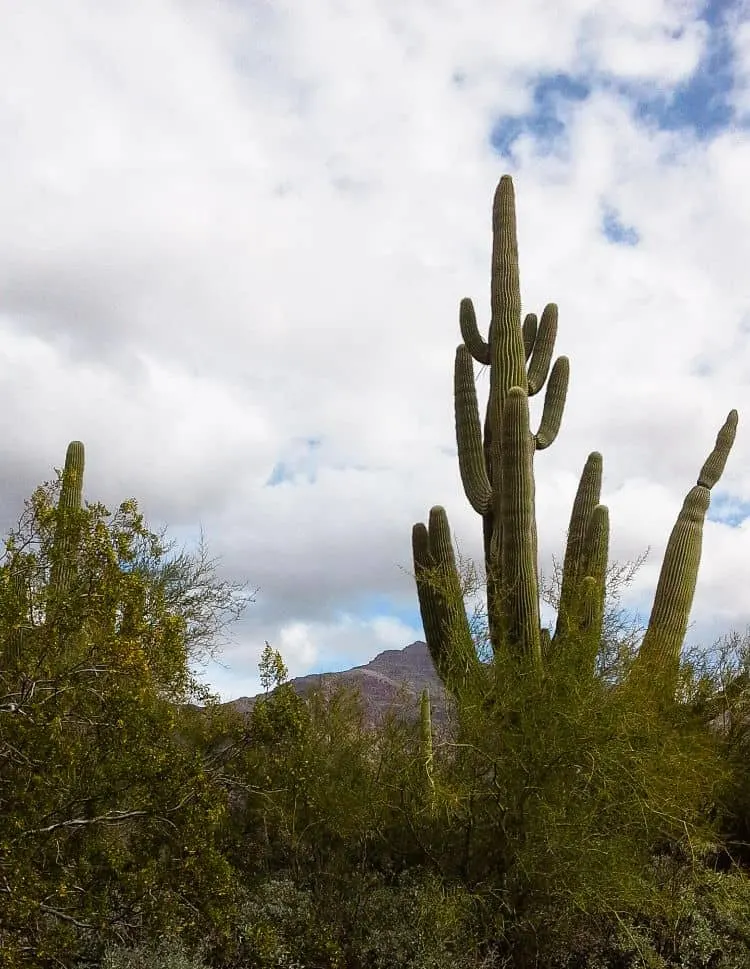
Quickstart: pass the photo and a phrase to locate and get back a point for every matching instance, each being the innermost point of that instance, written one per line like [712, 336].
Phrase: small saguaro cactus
[20, 565]
[63, 548]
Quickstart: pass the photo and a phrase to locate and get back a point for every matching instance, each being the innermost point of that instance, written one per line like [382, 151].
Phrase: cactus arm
[676, 586]
[586, 499]
[469, 434]
[715, 463]
[596, 545]
[441, 606]
[529, 331]
[429, 606]
[594, 584]
[519, 567]
[590, 609]
[675, 590]
[467, 321]
[554, 404]
[464, 660]
[544, 347]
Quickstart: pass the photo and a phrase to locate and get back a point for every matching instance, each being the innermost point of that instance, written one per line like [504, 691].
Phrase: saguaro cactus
[498, 478]
[63, 548]
[62, 557]
[497, 473]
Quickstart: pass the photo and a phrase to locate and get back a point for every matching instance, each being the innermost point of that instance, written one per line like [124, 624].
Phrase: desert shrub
[416, 923]
[167, 953]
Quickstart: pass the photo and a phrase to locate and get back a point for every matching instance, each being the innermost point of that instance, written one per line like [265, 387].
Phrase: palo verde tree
[107, 802]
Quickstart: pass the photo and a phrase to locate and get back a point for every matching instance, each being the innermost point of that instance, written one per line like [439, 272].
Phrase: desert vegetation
[589, 807]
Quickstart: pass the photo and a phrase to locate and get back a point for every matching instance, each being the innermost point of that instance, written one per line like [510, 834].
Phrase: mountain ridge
[380, 682]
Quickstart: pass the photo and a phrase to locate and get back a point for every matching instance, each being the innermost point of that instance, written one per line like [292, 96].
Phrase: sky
[233, 241]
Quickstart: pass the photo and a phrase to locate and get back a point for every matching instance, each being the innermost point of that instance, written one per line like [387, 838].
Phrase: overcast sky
[233, 240]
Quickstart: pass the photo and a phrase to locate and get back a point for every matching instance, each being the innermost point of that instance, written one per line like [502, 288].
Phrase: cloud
[229, 231]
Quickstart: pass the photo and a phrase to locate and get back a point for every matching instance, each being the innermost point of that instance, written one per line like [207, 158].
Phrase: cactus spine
[498, 479]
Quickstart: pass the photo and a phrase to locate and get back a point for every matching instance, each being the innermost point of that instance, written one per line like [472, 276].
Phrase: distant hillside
[379, 682]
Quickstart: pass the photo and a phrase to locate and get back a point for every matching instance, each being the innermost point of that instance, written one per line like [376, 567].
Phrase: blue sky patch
[700, 105]
[543, 122]
[615, 229]
[374, 606]
[301, 462]
[728, 509]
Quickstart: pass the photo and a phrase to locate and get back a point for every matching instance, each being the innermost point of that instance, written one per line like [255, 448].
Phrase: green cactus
[498, 479]
[500, 487]
[62, 557]
[516, 536]
[586, 555]
[660, 650]
[63, 546]
[441, 604]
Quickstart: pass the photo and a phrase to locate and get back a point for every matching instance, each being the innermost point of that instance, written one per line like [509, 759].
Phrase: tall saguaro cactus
[498, 477]
[497, 473]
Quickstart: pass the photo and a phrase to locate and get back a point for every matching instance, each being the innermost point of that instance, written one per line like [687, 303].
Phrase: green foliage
[701, 923]
[305, 776]
[167, 953]
[721, 700]
[105, 809]
[560, 817]
[272, 669]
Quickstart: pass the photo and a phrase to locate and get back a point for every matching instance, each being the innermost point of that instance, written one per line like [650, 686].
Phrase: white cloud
[229, 229]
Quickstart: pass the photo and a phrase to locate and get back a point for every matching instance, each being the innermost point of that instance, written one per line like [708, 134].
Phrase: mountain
[409, 669]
